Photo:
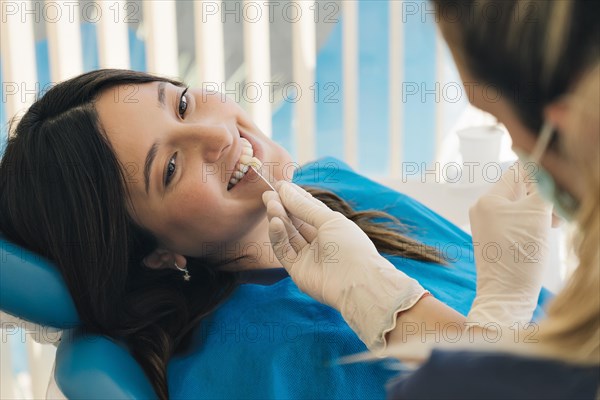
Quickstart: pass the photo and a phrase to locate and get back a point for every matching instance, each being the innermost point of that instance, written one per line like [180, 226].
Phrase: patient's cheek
[285, 166]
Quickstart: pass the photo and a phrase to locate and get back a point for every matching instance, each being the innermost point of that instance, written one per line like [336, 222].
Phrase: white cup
[480, 144]
[480, 148]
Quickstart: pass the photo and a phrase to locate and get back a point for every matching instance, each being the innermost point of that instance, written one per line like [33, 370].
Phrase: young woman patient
[124, 179]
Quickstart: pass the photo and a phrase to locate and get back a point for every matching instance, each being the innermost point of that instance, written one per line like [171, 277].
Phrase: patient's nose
[212, 140]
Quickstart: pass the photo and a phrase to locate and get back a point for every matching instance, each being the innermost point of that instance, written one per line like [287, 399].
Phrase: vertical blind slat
[17, 44]
[440, 104]
[304, 58]
[257, 60]
[7, 380]
[350, 79]
[160, 24]
[113, 41]
[40, 357]
[396, 74]
[64, 42]
[208, 27]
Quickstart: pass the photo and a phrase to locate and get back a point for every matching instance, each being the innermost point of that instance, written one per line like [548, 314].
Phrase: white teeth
[238, 174]
[246, 159]
[256, 163]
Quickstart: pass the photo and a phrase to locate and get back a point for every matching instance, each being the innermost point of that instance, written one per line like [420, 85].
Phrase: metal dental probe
[263, 178]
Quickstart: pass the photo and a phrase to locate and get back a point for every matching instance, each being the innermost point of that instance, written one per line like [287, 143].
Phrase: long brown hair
[63, 194]
[572, 328]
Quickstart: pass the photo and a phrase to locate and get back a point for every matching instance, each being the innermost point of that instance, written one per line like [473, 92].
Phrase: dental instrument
[256, 165]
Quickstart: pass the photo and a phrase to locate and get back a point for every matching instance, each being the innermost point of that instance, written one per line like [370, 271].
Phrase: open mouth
[246, 160]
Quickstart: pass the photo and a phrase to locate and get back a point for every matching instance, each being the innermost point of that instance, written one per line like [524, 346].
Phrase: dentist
[542, 58]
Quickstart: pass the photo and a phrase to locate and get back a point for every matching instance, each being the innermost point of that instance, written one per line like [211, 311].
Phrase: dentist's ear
[557, 113]
[161, 258]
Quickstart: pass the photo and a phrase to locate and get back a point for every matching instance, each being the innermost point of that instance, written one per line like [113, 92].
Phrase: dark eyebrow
[161, 94]
[148, 164]
[154, 149]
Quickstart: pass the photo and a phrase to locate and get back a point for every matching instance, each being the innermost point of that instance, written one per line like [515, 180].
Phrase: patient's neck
[256, 249]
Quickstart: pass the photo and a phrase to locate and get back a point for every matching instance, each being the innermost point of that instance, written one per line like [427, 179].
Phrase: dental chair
[86, 366]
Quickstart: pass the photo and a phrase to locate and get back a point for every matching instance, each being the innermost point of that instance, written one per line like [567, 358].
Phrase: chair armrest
[96, 367]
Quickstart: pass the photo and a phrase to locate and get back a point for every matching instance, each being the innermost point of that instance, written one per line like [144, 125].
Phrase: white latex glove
[510, 227]
[332, 260]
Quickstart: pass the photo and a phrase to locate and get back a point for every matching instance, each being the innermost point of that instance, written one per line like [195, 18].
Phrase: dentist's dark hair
[529, 52]
[63, 194]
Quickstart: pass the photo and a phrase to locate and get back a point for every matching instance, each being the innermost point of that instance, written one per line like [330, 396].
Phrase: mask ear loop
[565, 199]
[542, 142]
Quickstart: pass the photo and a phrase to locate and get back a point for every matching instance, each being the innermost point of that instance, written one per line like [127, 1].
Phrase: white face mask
[564, 203]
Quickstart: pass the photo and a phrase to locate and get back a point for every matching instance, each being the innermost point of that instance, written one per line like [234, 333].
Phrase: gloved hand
[332, 260]
[510, 227]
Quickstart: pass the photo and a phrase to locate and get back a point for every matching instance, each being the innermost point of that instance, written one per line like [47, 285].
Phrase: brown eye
[183, 104]
[170, 170]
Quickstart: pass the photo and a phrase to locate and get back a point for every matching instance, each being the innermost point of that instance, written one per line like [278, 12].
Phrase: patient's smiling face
[187, 204]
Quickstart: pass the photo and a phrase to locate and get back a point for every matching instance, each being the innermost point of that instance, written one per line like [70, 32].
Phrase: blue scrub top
[478, 375]
[273, 341]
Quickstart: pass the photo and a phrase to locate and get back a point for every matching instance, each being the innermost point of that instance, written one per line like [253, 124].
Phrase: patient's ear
[161, 258]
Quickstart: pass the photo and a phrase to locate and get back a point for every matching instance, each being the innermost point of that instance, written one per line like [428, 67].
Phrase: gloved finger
[303, 192]
[532, 198]
[308, 195]
[511, 184]
[517, 185]
[268, 196]
[308, 231]
[275, 210]
[303, 208]
[282, 247]
[557, 221]
[531, 186]
[535, 199]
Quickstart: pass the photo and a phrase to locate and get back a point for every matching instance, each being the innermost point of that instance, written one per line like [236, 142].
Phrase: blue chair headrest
[32, 288]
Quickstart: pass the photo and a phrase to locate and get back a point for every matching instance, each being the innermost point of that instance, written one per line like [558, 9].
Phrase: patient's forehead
[125, 98]
[130, 116]
[132, 119]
